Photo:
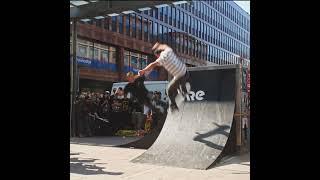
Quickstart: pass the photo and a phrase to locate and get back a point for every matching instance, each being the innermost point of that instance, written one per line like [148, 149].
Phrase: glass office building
[200, 32]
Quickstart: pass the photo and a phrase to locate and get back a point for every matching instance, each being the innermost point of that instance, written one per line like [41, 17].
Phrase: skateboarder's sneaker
[174, 108]
[185, 90]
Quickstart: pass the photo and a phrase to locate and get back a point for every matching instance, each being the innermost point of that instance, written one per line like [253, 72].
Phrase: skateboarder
[167, 59]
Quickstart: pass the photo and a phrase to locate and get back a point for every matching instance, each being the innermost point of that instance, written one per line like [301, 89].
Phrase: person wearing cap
[137, 89]
[175, 67]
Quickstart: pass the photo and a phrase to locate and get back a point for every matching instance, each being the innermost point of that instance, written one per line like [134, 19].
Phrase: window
[220, 22]
[106, 23]
[165, 13]
[99, 23]
[96, 53]
[112, 55]
[210, 17]
[121, 24]
[177, 42]
[144, 61]
[204, 12]
[127, 58]
[182, 20]
[82, 50]
[189, 23]
[160, 35]
[223, 41]
[156, 13]
[198, 49]
[128, 25]
[193, 47]
[151, 12]
[185, 22]
[114, 24]
[139, 27]
[150, 31]
[155, 31]
[211, 56]
[202, 30]
[201, 11]
[213, 35]
[199, 29]
[174, 16]
[174, 39]
[169, 15]
[145, 28]
[207, 13]
[220, 57]
[133, 24]
[165, 34]
[181, 42]
[215, 19]
[178, 18]
[204, 50]
[193, 26]
[218, 43]
[192, 8]
[189, 46]
[104, 56]
[185, 44]
[161, 13]
[197, 7]
[208, 33]
[134, 60]
[214, 55]
[170, 37]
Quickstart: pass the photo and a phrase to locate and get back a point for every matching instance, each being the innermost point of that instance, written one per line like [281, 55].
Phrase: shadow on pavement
[107, 141]
[236, 159]
[87, 167]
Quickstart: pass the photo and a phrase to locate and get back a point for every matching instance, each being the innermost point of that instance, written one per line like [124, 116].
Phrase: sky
[244, 5]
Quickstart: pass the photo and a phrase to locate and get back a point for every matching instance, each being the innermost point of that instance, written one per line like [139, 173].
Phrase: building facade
[200, 32]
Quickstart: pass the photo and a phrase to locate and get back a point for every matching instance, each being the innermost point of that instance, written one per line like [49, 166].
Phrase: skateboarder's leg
[182, 84]
[172, 93]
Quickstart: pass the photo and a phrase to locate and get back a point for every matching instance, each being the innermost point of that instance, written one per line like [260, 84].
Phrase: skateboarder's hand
[141, 72]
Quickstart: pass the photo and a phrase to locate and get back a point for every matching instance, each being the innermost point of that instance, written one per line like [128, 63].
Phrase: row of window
[139, 61]
[142, 28]
[135, 60]
[226, 9]
[176, 17]
[95, 51]
[153, 31]
[108, 54]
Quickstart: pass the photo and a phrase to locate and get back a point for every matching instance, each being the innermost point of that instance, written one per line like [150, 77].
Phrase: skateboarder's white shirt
[172, 63]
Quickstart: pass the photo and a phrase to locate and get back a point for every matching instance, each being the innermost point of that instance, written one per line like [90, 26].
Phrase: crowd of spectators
[104, 113]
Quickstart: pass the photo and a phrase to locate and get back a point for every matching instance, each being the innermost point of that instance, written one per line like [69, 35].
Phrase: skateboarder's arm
[149, 67]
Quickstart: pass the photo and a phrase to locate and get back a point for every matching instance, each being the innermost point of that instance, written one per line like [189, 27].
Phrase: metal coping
[212, 67]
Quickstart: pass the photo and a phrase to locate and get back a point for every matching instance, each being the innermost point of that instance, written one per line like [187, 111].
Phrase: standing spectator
[120, 93]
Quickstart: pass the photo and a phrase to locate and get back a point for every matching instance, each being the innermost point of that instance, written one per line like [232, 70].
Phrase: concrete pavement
[95, 159]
